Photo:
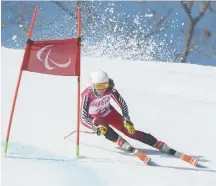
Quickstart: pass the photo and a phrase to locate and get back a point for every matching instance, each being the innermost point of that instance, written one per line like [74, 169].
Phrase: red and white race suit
[96, 106]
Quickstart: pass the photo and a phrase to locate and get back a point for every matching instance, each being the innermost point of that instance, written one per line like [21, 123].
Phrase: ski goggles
[101, 86]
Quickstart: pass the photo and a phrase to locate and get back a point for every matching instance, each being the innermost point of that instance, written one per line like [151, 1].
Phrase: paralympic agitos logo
[48, 62]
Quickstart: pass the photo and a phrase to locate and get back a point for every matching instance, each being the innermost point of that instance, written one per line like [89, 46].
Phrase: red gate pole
[78, 82]
[18, 83]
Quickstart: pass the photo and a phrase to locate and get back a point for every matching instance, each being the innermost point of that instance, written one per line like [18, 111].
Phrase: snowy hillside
[174, 102]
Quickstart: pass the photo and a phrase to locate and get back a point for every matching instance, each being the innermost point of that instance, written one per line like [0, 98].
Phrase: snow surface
[174, 102]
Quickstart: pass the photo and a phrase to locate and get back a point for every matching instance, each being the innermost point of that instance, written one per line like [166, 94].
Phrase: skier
[98, 114]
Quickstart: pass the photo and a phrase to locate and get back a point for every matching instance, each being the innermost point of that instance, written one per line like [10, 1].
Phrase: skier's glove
[100, 129]
[129, 126]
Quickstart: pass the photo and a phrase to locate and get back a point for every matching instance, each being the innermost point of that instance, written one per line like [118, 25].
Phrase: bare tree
[159, 20]
[64, 8]
[71, 11]
[162, 21]
[192, 23]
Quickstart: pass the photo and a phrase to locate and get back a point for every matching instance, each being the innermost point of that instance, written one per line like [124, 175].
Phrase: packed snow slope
[174, 102]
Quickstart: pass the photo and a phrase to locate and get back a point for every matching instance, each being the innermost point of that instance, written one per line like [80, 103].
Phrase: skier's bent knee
[113, 136]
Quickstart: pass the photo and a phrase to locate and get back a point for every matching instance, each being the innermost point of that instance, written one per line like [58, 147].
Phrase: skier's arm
[100, 129]
[84, 111]
[122, 104]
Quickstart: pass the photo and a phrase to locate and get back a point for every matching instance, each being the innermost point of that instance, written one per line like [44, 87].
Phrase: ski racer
[98, 114]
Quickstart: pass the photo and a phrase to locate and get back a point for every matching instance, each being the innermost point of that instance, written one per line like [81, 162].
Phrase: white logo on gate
[48, 60]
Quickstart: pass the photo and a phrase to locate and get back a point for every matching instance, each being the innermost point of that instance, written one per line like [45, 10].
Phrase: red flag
[55, 57]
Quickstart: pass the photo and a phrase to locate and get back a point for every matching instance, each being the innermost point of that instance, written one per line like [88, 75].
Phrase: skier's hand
[100, 130]
[129, 126]
[100, 127]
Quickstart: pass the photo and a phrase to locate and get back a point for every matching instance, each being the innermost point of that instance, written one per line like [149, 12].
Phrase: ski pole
[87, 132]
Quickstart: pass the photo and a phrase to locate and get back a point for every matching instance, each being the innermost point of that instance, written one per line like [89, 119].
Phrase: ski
[186, 158]
[144, 158]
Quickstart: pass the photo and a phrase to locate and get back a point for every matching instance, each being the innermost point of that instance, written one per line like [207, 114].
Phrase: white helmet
[99, 77]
